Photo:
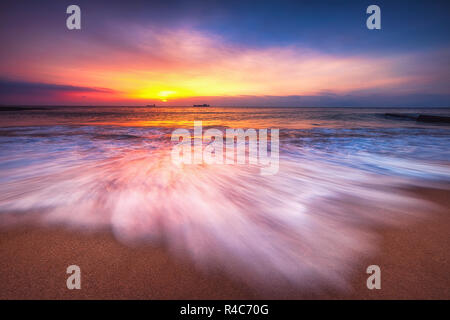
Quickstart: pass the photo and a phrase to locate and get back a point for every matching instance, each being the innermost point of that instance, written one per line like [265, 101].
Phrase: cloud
[22, 92]
[19, 87]
[142, 62]
[191, 62]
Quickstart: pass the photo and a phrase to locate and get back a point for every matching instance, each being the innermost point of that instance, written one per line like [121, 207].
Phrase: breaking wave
[309, 222]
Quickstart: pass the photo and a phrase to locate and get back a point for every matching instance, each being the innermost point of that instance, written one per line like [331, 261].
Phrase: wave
[307, 224]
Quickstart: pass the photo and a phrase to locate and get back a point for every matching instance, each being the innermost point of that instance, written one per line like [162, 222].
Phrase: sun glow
[158, 93]
[166, 93]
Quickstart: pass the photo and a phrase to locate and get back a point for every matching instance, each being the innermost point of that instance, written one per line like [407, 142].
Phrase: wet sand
[414, 261]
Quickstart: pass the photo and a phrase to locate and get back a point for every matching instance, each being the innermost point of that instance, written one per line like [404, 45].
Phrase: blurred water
[341, 174]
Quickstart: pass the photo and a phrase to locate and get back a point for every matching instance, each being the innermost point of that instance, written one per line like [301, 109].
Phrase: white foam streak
[311, 221]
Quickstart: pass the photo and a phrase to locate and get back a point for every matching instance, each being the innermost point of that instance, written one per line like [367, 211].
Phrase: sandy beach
[414, 261]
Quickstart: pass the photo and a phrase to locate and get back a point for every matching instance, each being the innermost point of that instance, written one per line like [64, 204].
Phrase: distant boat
[151, 105]
[201, 105]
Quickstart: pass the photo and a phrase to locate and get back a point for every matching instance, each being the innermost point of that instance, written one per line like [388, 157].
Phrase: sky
[225, 53]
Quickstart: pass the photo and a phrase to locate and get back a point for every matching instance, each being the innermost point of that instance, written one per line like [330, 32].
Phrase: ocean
[343, 172]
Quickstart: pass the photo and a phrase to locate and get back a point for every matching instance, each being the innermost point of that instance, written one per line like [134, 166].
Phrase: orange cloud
[170, 65]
